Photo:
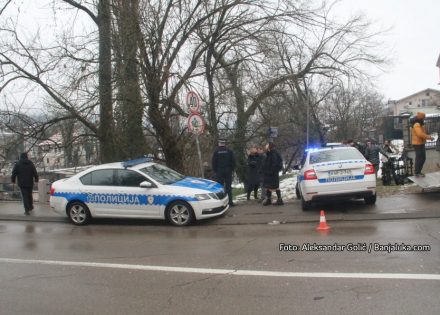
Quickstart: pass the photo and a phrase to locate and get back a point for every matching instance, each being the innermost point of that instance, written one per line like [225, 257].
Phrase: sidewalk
[13, 210]
[399, 206]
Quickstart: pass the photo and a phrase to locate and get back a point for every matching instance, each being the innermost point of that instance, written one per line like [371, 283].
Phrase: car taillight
[369, 169]
[309, 175]
[52, 191]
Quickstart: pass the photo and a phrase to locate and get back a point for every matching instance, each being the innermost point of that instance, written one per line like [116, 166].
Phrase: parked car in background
[137, 189]
[339, 172]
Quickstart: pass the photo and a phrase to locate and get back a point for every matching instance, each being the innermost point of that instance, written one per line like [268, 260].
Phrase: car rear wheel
[78, 213]
[370, 200]
[297, 192]
[306, 205]
[180, 213]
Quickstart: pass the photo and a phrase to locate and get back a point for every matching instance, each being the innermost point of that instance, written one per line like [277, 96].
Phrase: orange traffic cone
[322, 223]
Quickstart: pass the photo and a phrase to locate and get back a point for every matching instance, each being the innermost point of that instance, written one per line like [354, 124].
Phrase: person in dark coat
[372, 151]
[208, 172]
[253, 178]
[261, 158]
[223, 164]
[357, 145]
[24, 170]
[271, 168]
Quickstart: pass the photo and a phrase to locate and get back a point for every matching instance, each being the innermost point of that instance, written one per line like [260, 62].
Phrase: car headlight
[201, 197]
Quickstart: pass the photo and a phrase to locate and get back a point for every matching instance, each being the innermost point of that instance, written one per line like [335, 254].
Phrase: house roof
[420, 92]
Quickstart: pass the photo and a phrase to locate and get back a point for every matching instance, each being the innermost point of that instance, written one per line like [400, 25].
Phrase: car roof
[120, 165]
[133, 164]
[330, 148]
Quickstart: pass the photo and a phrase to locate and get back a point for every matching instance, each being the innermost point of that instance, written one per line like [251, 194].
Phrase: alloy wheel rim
[78, 214]
[179, 214]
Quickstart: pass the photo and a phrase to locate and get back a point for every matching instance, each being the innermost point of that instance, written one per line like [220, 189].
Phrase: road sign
[196, 124]
[193, 102]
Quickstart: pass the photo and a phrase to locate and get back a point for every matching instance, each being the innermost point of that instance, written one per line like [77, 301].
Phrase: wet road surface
[83, 277]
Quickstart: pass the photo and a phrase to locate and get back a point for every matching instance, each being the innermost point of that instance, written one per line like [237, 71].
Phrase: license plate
[339, 173]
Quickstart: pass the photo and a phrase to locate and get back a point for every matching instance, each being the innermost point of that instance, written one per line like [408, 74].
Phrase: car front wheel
[180, 213]
[78, 213]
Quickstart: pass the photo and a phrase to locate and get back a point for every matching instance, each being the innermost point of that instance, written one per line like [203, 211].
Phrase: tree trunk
[131, 107]
[171, 148]
[106, 131]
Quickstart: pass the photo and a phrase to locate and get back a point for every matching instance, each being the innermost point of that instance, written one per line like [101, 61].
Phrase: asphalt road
[108, 268]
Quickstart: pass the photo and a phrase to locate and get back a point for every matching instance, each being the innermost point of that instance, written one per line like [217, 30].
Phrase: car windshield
[334, 155]
[162, 174]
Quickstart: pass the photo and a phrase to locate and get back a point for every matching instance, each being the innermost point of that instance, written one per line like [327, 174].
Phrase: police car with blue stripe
[137, 189]
[340, 172]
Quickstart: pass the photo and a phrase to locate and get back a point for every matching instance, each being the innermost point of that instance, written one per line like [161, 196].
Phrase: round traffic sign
[196, 124]
[193, 102]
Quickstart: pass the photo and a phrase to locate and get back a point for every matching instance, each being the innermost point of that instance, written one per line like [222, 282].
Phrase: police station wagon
[335, 173]
[137, 189]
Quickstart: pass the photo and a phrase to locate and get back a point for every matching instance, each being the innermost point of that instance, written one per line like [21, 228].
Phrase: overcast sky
[414, 42]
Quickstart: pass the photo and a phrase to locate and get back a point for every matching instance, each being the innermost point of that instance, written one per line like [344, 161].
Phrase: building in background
[427, 101]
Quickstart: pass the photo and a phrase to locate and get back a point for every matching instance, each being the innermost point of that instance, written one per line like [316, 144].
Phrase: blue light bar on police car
[134, 162]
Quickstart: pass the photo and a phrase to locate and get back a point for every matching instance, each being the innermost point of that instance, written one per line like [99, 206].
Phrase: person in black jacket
[223, 164]
[372, 151]
[261, 158]
[24, 170]
[273, 164]
[253, 178]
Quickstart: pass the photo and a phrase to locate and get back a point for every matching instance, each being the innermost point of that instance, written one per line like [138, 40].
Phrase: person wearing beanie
[418, 140]
[24, 170]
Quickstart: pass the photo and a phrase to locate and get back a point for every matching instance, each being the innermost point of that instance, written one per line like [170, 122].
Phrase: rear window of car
[334, 155]
[98, 178]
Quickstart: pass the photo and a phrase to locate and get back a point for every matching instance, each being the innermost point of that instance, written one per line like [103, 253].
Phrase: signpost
[193, 102]
[196, 124]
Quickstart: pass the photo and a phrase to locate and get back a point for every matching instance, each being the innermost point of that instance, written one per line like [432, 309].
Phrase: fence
[8, 191]
[432, 127]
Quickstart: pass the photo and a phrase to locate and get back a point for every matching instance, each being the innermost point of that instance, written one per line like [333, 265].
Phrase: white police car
[335, 173]
[137, 189]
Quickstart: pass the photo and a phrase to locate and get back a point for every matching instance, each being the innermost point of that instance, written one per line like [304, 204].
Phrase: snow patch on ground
[287, 187]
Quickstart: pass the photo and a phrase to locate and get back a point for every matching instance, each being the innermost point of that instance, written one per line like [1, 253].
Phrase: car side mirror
[146, 184]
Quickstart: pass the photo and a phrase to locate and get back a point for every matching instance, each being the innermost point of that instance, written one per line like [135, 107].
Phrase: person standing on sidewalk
[24, 170]
[223, 164]
[371, 153]
[260, 164]
[271, 168]
[418, 140]
[253, 178]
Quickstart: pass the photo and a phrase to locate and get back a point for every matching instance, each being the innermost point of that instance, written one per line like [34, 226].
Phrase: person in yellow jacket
[419, 137]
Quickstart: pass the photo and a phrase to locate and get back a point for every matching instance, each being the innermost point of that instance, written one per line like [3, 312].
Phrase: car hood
[199, 184]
